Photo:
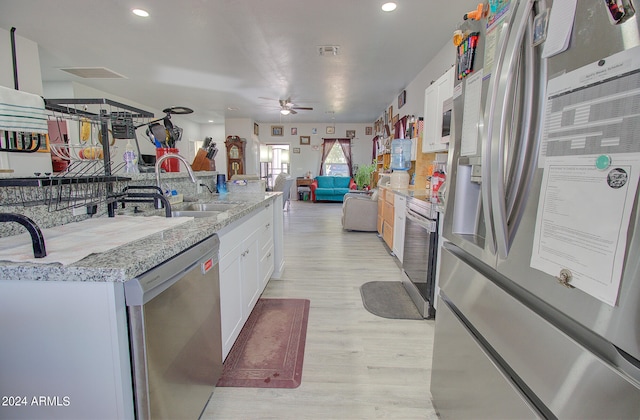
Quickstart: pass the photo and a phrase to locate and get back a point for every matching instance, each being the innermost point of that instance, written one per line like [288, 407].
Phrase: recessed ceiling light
[389, 7]
[232, 108]
[210, 121]
[140, 12]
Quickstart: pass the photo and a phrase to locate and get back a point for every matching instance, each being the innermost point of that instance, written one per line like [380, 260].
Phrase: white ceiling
[212, 55]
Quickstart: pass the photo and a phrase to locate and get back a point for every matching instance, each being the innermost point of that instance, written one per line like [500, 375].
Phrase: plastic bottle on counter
[130, 159]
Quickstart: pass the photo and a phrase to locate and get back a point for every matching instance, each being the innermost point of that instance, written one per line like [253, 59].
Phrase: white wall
[29, 77]
[29, 80]
[309, 157]
[415, 89]
[216, 132]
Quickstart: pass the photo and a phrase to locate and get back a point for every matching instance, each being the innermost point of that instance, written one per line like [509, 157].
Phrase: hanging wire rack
[89, 172]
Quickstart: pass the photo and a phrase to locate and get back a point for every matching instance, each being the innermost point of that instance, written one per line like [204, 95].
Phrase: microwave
[447, 109]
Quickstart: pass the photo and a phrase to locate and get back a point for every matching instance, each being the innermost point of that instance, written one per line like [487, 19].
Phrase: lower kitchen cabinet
[65, 344]
[246, 265]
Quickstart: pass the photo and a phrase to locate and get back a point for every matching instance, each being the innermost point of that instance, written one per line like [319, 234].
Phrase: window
[336, 157]
[336, 163]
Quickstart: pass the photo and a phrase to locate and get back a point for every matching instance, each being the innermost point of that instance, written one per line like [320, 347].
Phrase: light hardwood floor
[356, 365]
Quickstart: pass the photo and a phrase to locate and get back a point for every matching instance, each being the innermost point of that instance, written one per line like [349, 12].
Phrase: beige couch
[360, 212]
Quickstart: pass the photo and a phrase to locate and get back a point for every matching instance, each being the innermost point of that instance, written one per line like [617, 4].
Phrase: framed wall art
[351, 134]
[331, 130]
[368, 131]
[296, 150]
[277, 130]
[256, 129]
[402, 99]
[305, 140]
[294, 131]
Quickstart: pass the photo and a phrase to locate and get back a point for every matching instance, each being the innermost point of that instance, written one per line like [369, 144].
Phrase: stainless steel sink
[213, 206]
[194, 213]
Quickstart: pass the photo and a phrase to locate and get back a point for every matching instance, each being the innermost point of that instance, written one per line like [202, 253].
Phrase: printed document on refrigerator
[583, 219]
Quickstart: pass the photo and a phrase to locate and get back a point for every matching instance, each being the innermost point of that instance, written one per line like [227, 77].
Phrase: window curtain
[401, 128]
[327, 144]
[346, 149]
[374, 152]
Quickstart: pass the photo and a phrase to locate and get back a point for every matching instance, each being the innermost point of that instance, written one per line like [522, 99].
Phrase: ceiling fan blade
[302, 108]
[291, 111]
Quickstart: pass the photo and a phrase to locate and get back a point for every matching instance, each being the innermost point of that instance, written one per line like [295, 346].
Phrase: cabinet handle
[247, 253]
[267, 206]
[267, 225]
[268, 255]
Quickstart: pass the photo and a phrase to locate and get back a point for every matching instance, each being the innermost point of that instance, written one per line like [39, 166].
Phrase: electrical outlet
[79, 211]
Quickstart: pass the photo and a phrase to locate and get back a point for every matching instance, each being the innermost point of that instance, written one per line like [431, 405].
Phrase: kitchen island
[64, 328]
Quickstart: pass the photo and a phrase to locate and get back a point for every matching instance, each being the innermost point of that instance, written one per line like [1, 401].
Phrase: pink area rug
[269, 351]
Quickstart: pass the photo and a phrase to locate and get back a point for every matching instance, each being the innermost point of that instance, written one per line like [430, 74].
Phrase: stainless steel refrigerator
[539, 302]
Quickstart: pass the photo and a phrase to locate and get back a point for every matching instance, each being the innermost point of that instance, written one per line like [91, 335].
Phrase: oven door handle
[429, 225]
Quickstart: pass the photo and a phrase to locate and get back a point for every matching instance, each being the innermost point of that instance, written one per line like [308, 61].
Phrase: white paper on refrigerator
[560, 27]
[591, 110]
[471, 114]
[582, 221]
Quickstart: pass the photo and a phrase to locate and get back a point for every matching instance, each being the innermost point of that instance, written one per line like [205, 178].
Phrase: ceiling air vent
[93, 73]
[328, 50]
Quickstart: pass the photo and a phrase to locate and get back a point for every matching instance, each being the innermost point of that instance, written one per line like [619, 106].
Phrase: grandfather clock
[235, 155]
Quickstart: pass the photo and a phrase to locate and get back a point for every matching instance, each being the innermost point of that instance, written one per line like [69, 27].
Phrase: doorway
[274, 160]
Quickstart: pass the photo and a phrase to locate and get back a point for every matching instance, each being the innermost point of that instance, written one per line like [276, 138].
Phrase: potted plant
[363, 175]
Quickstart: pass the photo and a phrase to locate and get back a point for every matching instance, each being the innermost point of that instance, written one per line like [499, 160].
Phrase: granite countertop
[128, 261]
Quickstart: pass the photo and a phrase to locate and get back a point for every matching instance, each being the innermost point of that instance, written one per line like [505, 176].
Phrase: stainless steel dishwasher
[174, 329]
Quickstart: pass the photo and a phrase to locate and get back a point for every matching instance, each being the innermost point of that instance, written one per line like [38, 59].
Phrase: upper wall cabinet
[435, 139]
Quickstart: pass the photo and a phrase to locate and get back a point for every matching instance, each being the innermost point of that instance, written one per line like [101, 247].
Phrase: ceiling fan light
[285, 111]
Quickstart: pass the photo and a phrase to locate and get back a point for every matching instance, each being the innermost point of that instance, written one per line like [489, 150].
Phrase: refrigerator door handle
[485, 187]
[497, 156]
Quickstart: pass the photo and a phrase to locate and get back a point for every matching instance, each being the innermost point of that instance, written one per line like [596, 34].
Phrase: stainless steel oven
[420, 254]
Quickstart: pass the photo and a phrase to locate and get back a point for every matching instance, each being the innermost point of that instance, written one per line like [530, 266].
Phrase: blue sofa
[331, 188]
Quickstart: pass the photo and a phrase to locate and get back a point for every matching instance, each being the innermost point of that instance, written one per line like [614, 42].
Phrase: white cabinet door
[430, 118]
[400, 206]
[231, 298]
[267, 266]
[434, 97]
[251, 281]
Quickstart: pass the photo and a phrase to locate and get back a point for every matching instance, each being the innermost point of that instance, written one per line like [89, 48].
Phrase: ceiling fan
[287, 107]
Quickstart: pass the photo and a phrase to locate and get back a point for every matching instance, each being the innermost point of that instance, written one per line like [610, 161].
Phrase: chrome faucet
[179, 157]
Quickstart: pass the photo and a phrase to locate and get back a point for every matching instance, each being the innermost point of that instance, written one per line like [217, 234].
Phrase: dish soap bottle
[130, 159]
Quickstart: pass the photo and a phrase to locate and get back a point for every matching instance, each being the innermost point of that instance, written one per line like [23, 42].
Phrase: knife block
[201, 163]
